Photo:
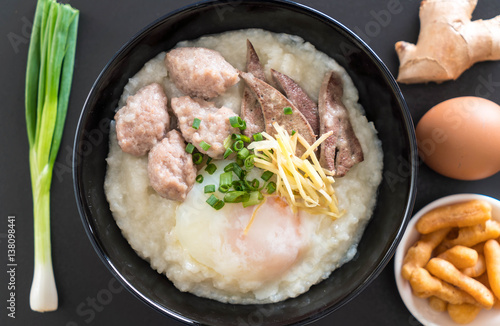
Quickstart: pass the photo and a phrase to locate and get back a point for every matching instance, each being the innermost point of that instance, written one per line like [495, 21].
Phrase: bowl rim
[304, 9]
[426, 315]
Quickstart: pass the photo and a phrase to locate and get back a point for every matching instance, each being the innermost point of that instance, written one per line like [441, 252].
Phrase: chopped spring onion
[228, 167]
[253, 185]
[237, 122]
[209, 159]
[211, 168]
[266, 175]
[246, 139]
[236, 197]
[257, 137]
[212, 200]
[293, 132]
[254, 198]
[215, 202]
[196, 123]
[199, 178]
[204, 145]
[249, 162]
[239, 171]
[238, 185]
[197, 158]
[209, 189]
[49, 73]
[228, 152]
[219, 205]
[190, 148]
[238, 145]
[271, 187]
[236, 169]
[228, 142]
[287, 110]
[225, 181]
[243, 153]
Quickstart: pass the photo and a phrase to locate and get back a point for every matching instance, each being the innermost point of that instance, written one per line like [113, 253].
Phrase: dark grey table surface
[89, 295]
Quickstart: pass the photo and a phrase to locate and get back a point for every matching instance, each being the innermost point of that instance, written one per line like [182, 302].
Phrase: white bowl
[418, 307]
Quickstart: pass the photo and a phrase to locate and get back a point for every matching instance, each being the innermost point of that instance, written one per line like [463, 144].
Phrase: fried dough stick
[447, 272]
[419, 254]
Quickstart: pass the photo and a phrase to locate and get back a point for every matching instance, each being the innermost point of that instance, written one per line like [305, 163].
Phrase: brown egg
[460, 138]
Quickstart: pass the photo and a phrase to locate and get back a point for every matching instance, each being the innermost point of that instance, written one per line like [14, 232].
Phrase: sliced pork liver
[299, 98]
[251, 111]
[342, 150]
[272, 103]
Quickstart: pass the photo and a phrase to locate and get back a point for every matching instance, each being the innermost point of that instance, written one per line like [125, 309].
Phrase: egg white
[217, 238]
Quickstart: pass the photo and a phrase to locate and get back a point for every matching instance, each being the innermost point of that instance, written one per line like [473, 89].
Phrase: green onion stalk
[49, 74]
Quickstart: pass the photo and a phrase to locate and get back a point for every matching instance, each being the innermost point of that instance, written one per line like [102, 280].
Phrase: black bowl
[380, 96]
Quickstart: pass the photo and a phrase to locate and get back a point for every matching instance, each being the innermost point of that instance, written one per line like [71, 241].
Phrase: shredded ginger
[300, 180]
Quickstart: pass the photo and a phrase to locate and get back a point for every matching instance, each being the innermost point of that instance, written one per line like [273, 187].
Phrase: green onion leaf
[209, 159]
[190, 148]
[266, 175]
[293, 132]
[258, 137]
[287, 110]
[196, 123]
[197, 158]
[199, 178]
[211, 168]
[209, 189]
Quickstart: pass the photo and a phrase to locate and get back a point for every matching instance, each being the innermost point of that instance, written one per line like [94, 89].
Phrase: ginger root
[449, 42]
